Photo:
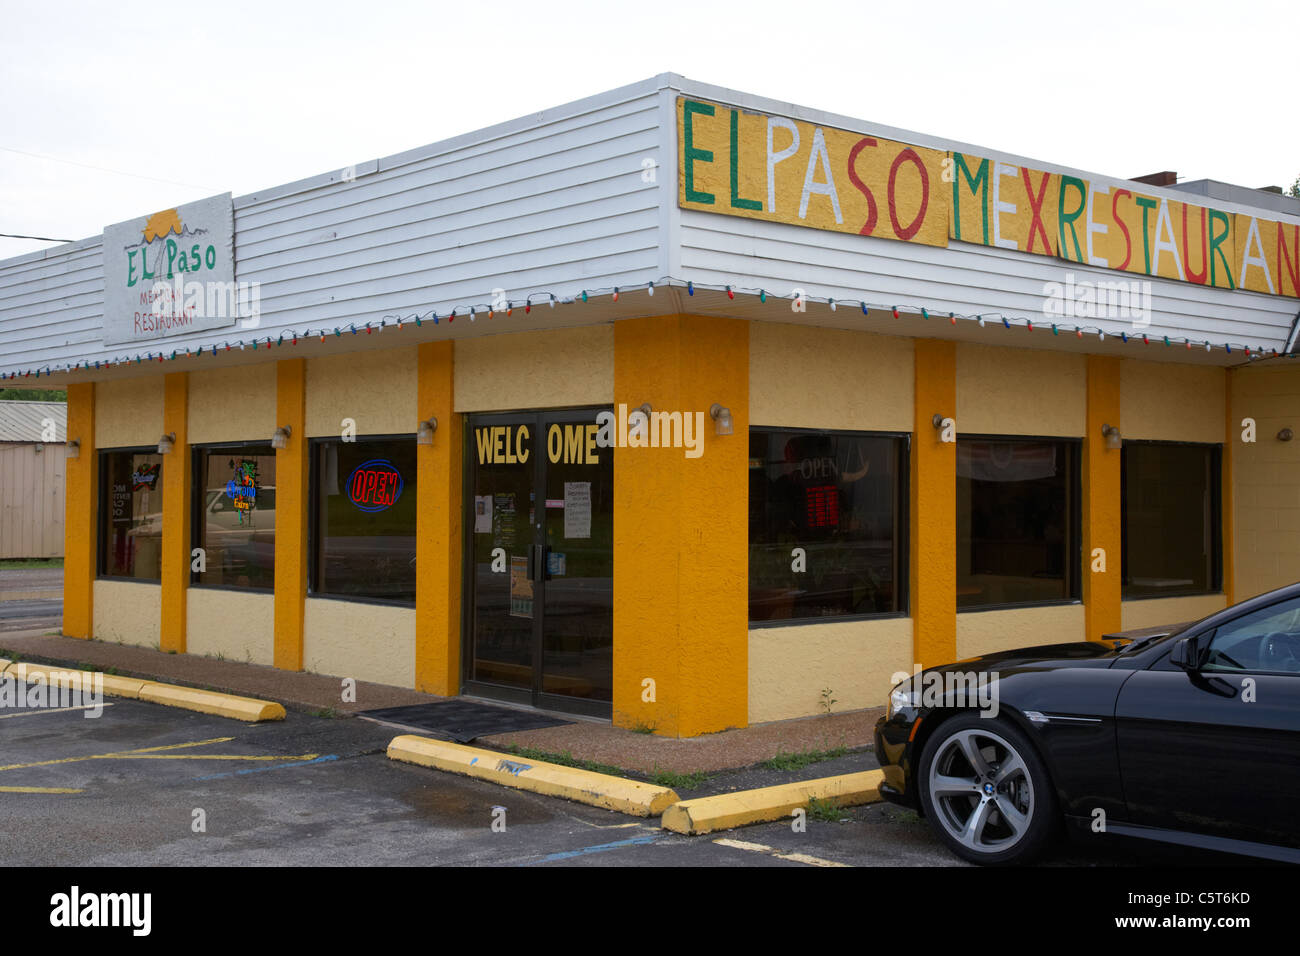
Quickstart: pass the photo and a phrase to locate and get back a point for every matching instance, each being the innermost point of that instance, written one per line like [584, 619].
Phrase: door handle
[539, 562]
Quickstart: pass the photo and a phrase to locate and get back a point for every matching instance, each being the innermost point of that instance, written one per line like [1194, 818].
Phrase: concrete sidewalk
[582, 740]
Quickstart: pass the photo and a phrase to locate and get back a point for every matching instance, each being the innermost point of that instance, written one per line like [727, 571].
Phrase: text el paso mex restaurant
[674, 406]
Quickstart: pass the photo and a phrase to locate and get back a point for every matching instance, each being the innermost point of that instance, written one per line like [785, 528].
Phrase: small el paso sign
[374, 485]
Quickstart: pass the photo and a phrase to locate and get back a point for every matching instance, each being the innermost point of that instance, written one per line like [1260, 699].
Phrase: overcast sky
[238, 96]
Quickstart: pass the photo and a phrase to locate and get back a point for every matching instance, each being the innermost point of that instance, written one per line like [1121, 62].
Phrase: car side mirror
[1186, 654]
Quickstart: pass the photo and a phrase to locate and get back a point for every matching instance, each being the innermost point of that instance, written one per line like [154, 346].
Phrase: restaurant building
[675, 406]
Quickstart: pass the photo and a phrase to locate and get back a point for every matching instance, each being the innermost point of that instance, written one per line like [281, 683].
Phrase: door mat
[463, 721]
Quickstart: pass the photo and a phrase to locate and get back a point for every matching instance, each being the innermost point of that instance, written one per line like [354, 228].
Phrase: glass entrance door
[539, 552]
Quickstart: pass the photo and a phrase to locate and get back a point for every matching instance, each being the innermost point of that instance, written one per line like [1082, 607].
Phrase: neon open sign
[374, 485]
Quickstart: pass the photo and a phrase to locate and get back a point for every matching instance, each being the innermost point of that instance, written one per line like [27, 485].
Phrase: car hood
[1041, 656]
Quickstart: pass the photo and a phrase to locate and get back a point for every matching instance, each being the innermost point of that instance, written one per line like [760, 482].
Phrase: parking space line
[601, 848]
[54, 710]
[770, 851]
[40, 790]
[283, 766]
[142, 750]
[135, 756]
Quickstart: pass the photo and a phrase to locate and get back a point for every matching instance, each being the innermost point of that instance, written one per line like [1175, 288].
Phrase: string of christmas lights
[474, 311]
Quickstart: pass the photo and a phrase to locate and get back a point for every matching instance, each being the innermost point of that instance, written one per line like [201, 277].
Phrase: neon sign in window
[823, 503]
[374, 485]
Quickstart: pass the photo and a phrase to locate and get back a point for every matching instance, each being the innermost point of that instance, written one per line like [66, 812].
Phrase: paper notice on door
[577, 509]
[482, 514]
[521, 587]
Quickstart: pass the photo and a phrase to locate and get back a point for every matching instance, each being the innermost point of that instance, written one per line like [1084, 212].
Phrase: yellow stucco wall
[809, 377]
[232, 404]
[128, 612]
[438, 529]
[932, 507]
[789, 666]
[681, 599]
[369, 642]
[236, 625]
[1162, 401]
[291, 519]
[1266, 505]
[1103, 533]
[550, 368]
[177, 489]
[983, 632]
[377, 390]
[1153, 612]
[1008, 391]
[80, 515]
[128, 412]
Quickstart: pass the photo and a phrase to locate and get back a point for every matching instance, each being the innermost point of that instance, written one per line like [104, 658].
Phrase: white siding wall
[553, 201]
[556, 201]
[963, 278]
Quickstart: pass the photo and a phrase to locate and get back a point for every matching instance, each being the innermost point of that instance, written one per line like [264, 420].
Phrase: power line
[102, 169]
[10, 235]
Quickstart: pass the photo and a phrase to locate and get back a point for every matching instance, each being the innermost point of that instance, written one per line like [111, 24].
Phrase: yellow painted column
[681, 532]
[176, 514]
[81, 514]
[933, 506]
[438, 527]
[291, 466]
[1228, 495]
[1102, 504]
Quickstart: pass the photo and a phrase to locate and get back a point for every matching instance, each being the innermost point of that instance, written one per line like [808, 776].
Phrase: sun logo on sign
[162, 224]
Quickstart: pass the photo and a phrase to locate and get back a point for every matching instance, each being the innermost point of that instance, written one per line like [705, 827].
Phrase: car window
[1264, 640]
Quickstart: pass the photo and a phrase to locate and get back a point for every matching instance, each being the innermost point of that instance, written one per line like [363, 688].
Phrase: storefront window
[130, 515]
[235, 515]
[1017, 521]
[363, 538]
[1171, 515]
[826, 519]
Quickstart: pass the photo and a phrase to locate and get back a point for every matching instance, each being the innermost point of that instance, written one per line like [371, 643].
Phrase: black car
[1189, 735]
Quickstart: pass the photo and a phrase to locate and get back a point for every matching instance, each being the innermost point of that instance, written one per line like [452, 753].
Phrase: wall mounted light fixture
[1112, 436]
[721, 415]
[281, 437]
[644, 409]
[1285, 435]
[424, 431]
[73, 448]
[166, 443]
[937, 420]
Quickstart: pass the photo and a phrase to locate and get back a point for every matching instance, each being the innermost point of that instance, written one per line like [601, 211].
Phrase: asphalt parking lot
[146, 784]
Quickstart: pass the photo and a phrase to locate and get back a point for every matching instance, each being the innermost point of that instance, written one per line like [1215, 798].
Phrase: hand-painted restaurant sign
[144, 258]
[741, 163]
[374, 485]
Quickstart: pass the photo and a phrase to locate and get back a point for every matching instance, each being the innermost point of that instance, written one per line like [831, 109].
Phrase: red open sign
[374, 485]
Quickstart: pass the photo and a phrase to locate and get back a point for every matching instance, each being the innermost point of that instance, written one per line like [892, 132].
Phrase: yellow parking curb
[212, 702]
[727, 810]
[135, 688]
[585, 786]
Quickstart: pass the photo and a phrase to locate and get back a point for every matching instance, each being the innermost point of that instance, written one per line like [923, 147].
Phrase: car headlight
[905, 696]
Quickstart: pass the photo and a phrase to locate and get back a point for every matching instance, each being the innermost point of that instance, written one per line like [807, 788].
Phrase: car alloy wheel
[986, 791]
